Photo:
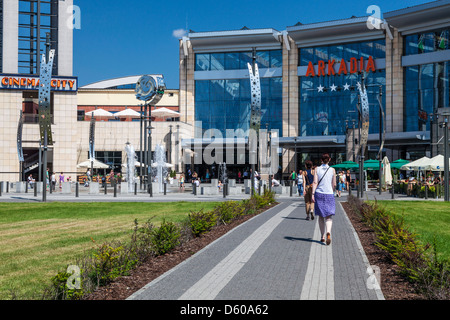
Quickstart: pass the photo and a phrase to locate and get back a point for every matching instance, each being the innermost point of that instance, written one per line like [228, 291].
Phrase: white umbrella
[419, 164]
[164, 113]
[96, 164]
[128, 113]
[436, 163]
[167, 165]
[387, 175]
[100, 113]
[136, 164]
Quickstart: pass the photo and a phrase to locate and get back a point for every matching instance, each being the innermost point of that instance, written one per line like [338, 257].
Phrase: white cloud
[179, 33]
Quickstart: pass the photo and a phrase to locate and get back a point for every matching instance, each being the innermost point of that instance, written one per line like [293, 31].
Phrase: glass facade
[376, 49]
[225, 104]
[426, 89]
[426, 85]
[325, 113]
[427, 42]
[237, 60]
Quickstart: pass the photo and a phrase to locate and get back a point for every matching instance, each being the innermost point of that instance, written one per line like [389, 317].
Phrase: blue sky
[121, 38]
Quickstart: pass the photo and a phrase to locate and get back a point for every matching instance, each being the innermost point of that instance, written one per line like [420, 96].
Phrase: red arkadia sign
[342, 67]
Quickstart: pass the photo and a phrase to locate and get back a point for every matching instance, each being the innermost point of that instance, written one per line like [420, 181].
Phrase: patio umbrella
[397, 164]
[371, 165]
[100, 113]
[96, 164]
[165, 113]
[387, 175]
[127, 113]
[419, 164]
[346, 165]
[436, 163]
[166, 165]
[136, 164]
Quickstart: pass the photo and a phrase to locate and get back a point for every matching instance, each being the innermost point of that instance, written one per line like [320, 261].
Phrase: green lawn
[37, 240]
[430, 220]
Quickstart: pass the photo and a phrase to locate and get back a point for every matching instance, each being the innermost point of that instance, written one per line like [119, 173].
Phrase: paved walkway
[274, 256]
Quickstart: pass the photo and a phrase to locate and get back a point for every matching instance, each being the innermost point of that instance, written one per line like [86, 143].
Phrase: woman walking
[323, 196]
[308, 179]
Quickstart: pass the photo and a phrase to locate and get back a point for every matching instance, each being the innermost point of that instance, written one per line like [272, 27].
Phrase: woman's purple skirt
[325, 204]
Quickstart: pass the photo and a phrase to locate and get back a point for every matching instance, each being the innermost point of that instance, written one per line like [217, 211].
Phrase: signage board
[30, 82]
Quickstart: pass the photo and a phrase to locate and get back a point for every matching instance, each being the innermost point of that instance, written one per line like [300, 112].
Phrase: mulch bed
[125, 286]
[393, 285]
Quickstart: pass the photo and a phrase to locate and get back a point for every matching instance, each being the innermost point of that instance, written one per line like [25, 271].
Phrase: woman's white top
[325, 186]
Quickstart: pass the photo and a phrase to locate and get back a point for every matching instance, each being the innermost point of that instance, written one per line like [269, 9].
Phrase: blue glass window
[237, 60]
[324, 113]
[225, 104]
[427, 42]
[426, 89]
[374, 48]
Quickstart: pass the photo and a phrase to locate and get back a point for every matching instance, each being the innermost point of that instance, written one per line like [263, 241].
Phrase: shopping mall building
[309, 75]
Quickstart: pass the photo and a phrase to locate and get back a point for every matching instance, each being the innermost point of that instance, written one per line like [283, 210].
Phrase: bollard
[115, 190]
[290, 191]
[426, 191]
[7, 186]
[35, 189]
[106, 190]
[194, 189]
[26, 186]
[224, 190]
[165, 188]
[393, 190]
[1, 188]
[135, 188]
[77, 190]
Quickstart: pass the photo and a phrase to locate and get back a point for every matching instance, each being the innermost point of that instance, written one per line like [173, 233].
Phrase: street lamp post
[446, 158]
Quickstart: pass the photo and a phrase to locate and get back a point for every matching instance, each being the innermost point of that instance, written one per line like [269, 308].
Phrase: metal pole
[145, 147]
[149, 158]
[44, 182]
[77, 189]
[380, 170]
[140, 152]
[446, 159]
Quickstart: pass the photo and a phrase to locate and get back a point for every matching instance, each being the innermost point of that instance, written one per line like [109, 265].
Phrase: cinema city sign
[342, 67]
[19, 82]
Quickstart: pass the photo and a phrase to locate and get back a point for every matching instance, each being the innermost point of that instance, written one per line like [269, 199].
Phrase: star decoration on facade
[333, 87]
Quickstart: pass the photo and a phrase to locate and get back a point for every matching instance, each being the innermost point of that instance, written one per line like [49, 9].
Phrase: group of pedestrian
[318, 186]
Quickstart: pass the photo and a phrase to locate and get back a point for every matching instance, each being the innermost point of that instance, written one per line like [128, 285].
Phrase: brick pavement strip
[214, 281]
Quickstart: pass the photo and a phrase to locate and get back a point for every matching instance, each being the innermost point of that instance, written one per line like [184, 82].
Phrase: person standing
[300, 182]
[323, 197]
[182, 178]
[348, 180]
[308, 179]
[61, 179]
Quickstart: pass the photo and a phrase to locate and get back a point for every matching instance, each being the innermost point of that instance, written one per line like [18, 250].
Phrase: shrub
[111, 261]
[201, 222]
[60, 290]
[165, 237]
[421, 267]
